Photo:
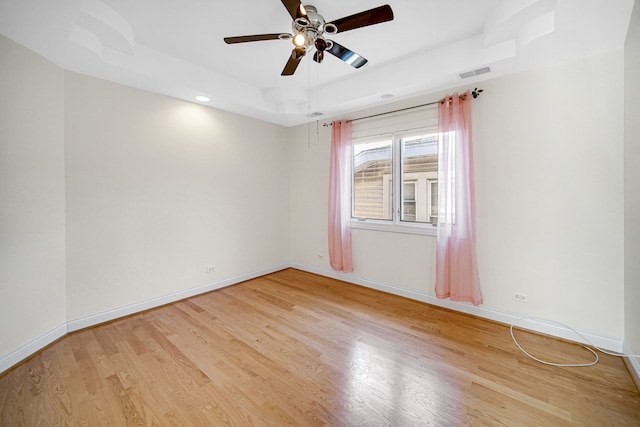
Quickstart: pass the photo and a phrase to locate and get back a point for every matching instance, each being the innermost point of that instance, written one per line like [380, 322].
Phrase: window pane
[420, 169]
[409, 191]
[372, 184]
[409, 201]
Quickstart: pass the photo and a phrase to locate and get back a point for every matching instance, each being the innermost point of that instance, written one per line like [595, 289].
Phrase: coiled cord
[589, 346]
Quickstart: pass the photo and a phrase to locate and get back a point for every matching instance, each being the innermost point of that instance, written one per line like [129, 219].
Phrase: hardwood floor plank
[182, 409]
[125, 406]
[296, 349]
[169, 355]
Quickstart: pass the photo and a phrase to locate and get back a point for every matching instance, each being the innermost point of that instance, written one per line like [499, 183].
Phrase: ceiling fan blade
[294, 7]
[292, 63]
[363, 19]
[347, 55]
[254, 38]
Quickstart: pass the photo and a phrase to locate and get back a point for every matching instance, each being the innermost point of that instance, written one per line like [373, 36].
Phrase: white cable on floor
[589, 347]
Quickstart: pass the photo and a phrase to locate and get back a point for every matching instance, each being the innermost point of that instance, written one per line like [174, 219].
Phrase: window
[419, 175]
[372, 180]
[395, 173]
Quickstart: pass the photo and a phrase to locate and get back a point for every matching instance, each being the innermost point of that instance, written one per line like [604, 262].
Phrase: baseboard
[536, 325]
[29, 349]
[21, 353]
[633, 365]
[107, 315]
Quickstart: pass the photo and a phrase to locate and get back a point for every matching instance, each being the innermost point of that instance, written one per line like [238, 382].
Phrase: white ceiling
[175, 47]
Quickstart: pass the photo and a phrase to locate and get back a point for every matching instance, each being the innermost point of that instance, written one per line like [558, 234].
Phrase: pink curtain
[456, 265]
[339, 197]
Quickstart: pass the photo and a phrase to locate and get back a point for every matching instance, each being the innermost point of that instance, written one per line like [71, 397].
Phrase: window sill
[406, 228]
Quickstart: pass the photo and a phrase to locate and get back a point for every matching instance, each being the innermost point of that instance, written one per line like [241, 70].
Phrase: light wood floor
[297, 349]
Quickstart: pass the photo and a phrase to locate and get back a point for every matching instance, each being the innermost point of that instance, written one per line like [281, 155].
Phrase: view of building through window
[420, 178]
[372, 180]
[416, 165]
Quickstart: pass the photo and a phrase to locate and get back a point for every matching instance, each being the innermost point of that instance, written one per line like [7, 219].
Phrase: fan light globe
[299, 40]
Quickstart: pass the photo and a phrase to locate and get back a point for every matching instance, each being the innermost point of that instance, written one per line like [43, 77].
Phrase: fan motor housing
[312, 26]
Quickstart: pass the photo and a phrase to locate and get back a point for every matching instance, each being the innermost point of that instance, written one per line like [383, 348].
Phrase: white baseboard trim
[602, 341]
[33, 346]
[30, 348]
[107, 315]
[13, 358]
[633, 365]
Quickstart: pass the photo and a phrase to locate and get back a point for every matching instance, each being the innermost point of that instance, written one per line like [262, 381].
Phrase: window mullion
[396, 168]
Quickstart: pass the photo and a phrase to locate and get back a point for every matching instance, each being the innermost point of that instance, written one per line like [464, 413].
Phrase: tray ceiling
[177, 49]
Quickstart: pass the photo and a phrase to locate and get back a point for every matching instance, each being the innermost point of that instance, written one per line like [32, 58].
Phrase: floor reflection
[385, 386]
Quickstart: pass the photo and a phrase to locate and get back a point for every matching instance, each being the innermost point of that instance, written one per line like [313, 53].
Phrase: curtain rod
[475, 93]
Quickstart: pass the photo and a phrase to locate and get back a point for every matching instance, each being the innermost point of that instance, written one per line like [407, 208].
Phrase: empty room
[270, 213]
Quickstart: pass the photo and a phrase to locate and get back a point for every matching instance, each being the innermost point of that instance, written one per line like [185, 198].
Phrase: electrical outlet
[520, 297]
[211, 268]
[320, 257]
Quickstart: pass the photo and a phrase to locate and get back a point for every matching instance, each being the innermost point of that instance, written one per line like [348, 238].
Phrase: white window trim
[426, 229]
[395, 225]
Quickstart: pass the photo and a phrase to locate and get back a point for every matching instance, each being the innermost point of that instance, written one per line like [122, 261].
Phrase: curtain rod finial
[476, 92]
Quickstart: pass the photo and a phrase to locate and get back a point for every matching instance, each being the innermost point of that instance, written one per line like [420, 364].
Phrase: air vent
[316, 114]
[474, 73]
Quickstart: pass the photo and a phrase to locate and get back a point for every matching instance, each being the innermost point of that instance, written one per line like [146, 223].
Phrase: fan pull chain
[309, 103]
[318, 104]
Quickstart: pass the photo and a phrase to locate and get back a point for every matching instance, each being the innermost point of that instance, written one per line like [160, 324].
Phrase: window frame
[396, 224]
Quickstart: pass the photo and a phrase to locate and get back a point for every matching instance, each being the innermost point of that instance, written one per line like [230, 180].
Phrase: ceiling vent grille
[474, 73]
[316, 114]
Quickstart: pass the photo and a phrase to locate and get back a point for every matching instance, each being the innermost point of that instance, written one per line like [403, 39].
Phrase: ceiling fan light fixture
[298, 52]
[320, 44]
[330, 28]
[301, 22]
[299, 40]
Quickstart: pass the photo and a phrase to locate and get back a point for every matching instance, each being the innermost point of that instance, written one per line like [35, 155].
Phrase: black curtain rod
[475, 93]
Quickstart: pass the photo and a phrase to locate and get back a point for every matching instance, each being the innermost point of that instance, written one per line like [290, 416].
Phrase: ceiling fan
[309, 29]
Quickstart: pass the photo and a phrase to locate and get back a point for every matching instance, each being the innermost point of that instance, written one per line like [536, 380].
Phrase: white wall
[632, 183]
[32, 197]
[549, 157]
[158, 189]
[550, 192]
[113, 199]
